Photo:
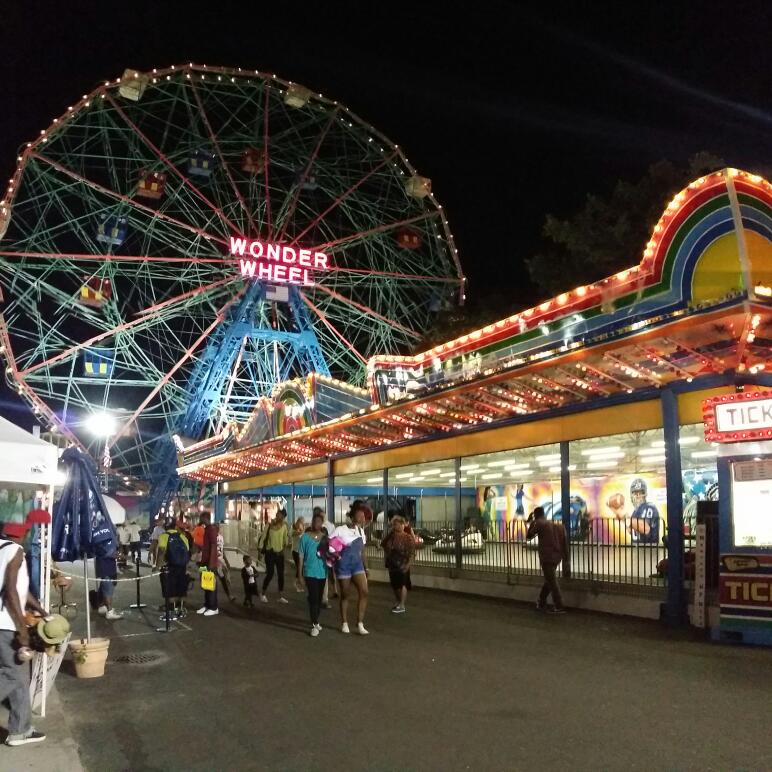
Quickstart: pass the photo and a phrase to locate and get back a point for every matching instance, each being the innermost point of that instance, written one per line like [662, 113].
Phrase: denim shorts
[350, 564]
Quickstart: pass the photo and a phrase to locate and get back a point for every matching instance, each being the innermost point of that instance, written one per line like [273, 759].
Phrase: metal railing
[608, 552]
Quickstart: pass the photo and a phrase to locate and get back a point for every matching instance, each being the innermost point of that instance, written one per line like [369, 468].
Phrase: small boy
[249, 577]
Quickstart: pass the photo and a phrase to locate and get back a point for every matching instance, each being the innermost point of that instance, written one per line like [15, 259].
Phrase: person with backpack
[172, 558]
[273, 542]
[553, 549]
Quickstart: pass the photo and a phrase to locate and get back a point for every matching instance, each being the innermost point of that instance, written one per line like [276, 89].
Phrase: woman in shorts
[351, 568]
[399, 549]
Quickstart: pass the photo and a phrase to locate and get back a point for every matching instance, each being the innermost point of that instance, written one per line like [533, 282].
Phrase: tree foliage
[609, 234]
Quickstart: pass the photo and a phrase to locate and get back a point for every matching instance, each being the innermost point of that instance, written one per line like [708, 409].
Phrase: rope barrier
[122, 579]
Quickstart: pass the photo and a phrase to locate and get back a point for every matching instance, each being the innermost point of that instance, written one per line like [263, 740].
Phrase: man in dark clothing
[553, 549]
[209, 560]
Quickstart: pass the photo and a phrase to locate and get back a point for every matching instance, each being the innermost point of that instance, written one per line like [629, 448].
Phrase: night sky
[512, 111]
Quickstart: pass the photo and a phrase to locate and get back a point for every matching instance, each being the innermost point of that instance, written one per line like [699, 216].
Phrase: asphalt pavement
[456, 683]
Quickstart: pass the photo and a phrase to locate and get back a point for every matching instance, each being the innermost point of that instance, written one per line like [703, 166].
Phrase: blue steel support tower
[275, 356]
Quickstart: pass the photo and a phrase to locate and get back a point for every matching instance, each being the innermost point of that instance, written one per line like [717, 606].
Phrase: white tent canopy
[115, 509]
[26, 459]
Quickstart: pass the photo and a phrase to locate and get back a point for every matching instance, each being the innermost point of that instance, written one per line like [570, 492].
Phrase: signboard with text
[745, 596]
[738, 417]
[277, 263]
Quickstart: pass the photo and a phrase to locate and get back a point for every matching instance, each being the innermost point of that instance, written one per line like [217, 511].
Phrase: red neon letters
[277, 263]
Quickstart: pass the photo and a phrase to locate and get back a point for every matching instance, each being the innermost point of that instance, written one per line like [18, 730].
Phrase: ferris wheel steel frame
[185, 329]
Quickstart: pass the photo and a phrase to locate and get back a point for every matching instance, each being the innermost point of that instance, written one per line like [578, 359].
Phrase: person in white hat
[14, 636]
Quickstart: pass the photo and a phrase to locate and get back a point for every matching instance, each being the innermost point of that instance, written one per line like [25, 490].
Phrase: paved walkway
[457, 683]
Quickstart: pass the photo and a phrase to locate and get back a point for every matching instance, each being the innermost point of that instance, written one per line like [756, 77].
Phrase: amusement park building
[591, 404]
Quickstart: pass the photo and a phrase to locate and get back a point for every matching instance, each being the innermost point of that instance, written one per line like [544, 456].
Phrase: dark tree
[609, 234]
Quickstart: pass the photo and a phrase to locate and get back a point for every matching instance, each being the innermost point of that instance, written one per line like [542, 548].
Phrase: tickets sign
[738, 417]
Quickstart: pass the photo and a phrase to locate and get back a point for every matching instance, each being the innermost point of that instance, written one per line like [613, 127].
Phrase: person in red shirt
[553, 549]
[209, 561]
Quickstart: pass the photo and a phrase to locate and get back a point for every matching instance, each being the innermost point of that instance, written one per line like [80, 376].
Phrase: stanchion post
[138, 604]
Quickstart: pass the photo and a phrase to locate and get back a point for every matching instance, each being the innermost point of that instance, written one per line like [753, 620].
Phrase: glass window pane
[699, 473]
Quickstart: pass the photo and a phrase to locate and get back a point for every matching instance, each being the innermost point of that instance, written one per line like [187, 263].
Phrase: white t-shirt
[157, 531]
[133, 530]
[7, 554]
[123, 534]
[349, 533]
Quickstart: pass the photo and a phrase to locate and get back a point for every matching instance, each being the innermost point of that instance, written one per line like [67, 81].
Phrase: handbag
[207, 580]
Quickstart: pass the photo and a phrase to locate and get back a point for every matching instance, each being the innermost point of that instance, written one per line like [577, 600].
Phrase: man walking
[553, 549]
[135, 541]
[14, 671]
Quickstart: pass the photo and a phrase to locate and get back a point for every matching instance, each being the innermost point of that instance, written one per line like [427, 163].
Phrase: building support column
[219, 508]
[459, 514]
[565, 502]
[291, 504]
[676, 603]
[385, 500]
[330, 496]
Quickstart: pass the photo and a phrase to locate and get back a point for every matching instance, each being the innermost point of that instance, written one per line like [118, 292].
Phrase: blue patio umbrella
[81, 521]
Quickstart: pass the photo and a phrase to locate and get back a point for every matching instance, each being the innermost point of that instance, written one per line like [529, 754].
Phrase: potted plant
[90, 656]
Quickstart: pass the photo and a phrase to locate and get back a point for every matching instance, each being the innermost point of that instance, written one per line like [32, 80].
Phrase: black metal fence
[604, 554]
[619, 557]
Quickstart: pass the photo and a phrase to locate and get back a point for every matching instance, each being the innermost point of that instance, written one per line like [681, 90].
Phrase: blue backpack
[176, 551]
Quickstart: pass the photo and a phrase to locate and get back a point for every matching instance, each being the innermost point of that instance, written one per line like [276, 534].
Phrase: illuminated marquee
[741, 416]
[277, 263]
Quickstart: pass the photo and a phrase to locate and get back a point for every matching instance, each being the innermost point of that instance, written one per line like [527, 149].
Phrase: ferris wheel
[179, 241]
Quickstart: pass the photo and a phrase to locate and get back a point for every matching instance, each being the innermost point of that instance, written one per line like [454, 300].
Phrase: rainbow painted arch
[693, 259]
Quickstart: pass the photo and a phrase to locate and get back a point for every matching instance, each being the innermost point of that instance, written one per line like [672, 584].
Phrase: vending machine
[741, 426]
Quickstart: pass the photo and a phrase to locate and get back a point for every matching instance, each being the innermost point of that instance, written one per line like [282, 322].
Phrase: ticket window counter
[745, 540]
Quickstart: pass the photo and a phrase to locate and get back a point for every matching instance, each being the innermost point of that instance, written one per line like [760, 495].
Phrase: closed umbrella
[81, 518]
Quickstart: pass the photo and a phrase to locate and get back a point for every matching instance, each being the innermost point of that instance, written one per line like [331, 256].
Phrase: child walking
[249, 577]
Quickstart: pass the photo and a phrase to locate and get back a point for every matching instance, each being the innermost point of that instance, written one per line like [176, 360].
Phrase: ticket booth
[741, 425]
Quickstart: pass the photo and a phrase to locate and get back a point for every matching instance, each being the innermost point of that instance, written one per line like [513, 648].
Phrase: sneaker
[263, 599]
[31, 737]
[202, 610]
[556, 610]
[314, 631]
[326, 605]
[283, 600]
[112, 614]
[102, 610]
[344, 628]
[211, 612]
[361, 629]
[318, 627]
[398, 610]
